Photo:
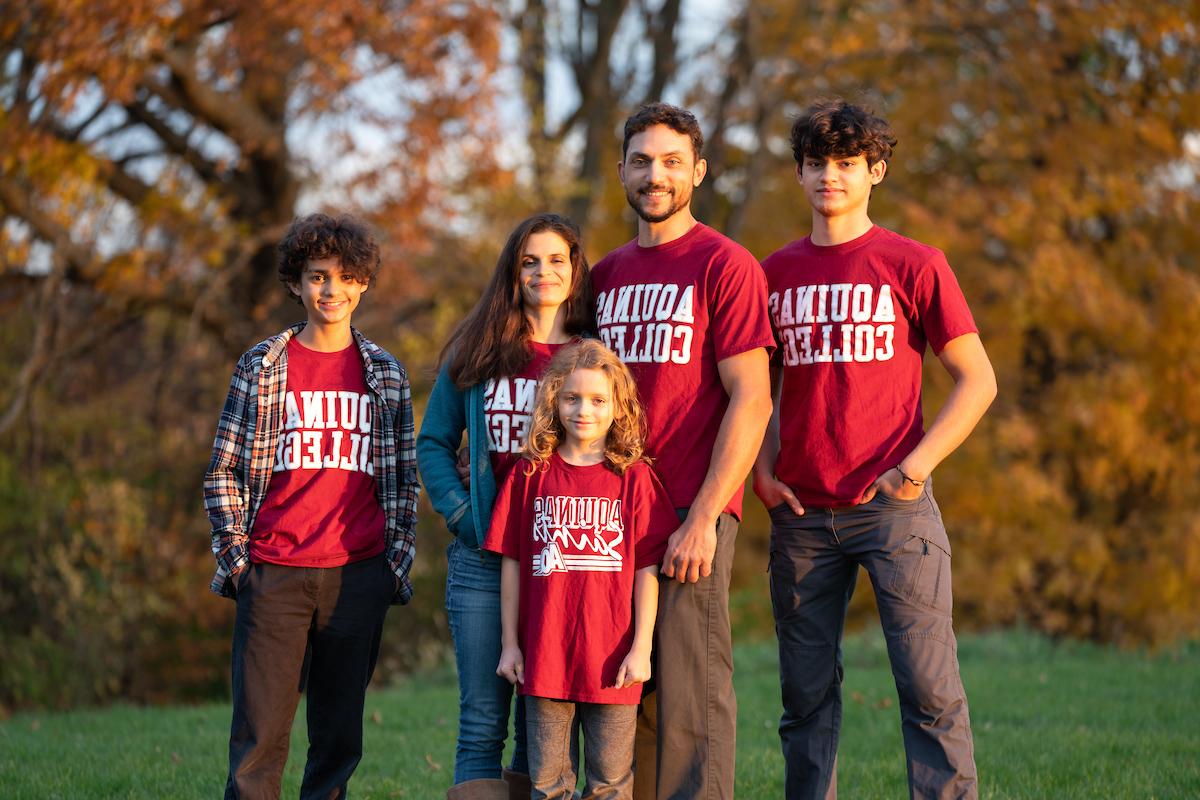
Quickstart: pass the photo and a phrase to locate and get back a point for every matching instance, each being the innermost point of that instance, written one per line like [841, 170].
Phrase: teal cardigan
[449, 412]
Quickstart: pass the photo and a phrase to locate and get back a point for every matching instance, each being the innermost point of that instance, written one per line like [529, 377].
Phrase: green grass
[1050, 720]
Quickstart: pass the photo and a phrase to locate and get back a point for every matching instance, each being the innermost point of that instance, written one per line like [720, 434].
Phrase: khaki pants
[696, 720]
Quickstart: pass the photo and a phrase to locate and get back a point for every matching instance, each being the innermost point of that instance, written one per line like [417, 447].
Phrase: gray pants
[607, 748]
[814, 563]
[693, 681]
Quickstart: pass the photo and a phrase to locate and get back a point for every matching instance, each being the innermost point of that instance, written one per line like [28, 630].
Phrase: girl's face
[585, 408]
[545, 276]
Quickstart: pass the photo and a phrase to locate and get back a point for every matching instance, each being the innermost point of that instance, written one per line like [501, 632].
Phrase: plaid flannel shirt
[249, 429]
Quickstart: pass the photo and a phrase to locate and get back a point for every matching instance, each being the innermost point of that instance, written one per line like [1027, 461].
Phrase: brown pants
[298, 627]
[814, 563]
[693, 710]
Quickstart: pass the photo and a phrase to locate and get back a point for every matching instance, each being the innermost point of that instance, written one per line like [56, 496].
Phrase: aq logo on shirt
[577, 534]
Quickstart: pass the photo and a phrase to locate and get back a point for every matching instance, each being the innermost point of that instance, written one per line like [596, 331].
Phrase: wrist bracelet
[908, 479]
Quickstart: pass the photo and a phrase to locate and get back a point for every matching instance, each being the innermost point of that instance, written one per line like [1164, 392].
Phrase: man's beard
[677, 203]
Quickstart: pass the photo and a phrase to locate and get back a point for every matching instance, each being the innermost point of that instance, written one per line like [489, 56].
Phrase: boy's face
[329, 293]
[659, 172]
[839, 185]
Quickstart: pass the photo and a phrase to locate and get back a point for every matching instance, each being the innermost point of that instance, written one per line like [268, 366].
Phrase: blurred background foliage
[151, 154]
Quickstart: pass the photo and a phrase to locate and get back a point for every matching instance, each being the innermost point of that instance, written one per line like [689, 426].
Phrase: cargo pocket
[921, 573]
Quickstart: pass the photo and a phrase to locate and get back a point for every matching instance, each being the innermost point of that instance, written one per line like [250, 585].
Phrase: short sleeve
[943, 310]
[655, 517]
[738, 319]
[508, 517]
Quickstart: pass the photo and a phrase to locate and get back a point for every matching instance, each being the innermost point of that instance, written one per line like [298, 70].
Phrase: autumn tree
[151, 153]
[150, 156]
[1052, 150]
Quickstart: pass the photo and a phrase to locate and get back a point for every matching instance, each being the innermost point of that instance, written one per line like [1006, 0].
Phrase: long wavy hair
[493, 339]
[624, 444]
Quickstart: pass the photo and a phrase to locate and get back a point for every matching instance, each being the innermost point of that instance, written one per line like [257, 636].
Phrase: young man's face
[659, 173]
[839, 185]
[329, 293]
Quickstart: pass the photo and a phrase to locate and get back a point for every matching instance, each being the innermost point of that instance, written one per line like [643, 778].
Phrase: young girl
[582, 526]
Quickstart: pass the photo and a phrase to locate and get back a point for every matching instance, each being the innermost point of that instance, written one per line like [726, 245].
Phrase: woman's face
[545, 275]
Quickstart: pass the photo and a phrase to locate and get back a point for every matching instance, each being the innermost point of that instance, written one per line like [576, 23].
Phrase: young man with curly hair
[312, 494]
[845, 466]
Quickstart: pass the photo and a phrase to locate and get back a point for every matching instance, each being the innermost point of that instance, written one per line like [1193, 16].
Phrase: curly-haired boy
[312, 493]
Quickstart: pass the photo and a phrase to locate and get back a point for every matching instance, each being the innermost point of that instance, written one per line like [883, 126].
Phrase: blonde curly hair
[624, 444]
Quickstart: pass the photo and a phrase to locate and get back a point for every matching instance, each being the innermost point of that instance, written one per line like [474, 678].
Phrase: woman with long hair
[539, 298]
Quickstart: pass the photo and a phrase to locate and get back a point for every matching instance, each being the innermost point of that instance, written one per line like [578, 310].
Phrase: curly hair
[837, 128]
[674, 117]
[493, 339]
[623, 446]
[320, 236]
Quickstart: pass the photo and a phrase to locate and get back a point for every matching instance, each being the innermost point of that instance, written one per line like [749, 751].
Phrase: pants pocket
[241, 580]
[389, 579]
[921, 572]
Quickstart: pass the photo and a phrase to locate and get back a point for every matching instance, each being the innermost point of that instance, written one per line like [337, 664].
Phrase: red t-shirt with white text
[853, 320]
[579, 534]
[508, 409]
[671, 313]
[321, 509]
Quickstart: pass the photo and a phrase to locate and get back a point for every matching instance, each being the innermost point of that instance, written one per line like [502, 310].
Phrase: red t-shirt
[508, 408]
[321, 509]
[671, 313]
[579, 535]
[853, 320]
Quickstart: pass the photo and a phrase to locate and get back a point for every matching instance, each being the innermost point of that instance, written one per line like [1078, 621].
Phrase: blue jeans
[484, 698]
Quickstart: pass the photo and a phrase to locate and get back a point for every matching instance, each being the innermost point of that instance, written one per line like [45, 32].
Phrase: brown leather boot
[481, 789]
[519, 785]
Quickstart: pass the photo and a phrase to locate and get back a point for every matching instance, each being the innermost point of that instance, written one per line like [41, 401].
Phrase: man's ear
[699, 172]
[878, 170]
[800, 172]
[621, 171]
[294, 288]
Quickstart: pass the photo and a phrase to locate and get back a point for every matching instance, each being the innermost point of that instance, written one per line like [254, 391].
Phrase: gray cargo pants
[814, 563]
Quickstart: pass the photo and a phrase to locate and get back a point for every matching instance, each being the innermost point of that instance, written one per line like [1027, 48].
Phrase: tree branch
[40, 354]
[174, 142]
[737, 74]
[597, 107]
[231, 113]
[662, 37]
[74, 133]
[17, 198]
